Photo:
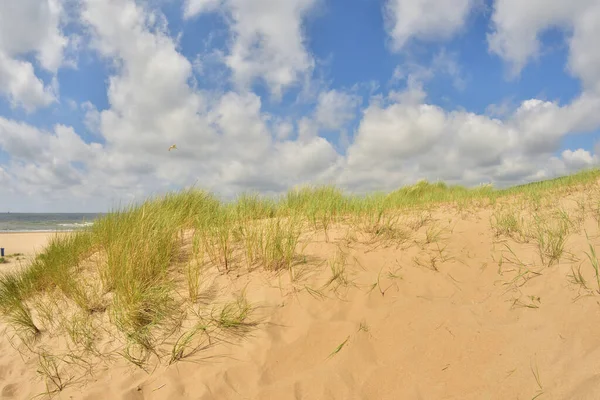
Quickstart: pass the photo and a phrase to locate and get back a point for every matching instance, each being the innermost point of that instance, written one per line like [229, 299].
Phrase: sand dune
[436, 315]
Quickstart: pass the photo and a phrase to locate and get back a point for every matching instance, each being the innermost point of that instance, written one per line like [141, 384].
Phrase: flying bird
[173, 147]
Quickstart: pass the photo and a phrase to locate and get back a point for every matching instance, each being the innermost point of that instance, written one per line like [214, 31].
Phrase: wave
[77, 225]
[18, 230]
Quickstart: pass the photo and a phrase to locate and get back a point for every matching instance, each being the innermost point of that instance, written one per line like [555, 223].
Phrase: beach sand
[437, 317]
[20, 247]
[24, 242]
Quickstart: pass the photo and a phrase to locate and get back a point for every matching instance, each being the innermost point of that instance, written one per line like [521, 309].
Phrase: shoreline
[38, 231]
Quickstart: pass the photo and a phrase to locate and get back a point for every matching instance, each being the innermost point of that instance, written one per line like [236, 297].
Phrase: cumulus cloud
[336, 108]
[46, 161]
[36, 148]
[242, 127]
[579, 159]
[195, 7]
[400, 141]
[150, 96]
[424, 19]
[394, 134]
[33, 26]
[91, 118]
[267, 40]
[333, 113]
[26, 27]
[283, 129]
[517, 27]
[23, 88]
[226, 141]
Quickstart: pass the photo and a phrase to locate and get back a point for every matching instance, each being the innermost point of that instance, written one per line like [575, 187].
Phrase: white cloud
[394, 134]
[225, 142]
[30, 26]
[33, 26]
[314, 161]
[308, 129]
[424, 19]
[283, 129]
[518, 26]
[403, 138]
[19, 83]
[334, 111]
[336, 108]
[228, 143]
[45, 162]
[3, 175]
[584, 61]
[91, 118]
[544, 123]
[241, 127]
[579, 159]
[267, 40]
[149, 97]
[29, 144]
[195, 7]
[401, 141]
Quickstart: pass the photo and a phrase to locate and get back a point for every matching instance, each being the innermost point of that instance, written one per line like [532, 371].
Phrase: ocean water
[18, 222]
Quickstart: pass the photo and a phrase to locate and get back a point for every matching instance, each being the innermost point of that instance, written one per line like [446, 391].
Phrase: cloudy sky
[262, 95]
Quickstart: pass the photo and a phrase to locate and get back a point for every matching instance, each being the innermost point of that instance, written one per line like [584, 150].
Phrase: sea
[38, 222]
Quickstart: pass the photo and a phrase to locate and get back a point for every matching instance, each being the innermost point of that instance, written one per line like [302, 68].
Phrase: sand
[25, 244]
[439, 320]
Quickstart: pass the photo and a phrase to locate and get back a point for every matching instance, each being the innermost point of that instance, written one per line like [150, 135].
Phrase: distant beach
[26, 244]
[42, 222]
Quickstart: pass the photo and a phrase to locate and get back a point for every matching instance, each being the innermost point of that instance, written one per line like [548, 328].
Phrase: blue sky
[262, 96]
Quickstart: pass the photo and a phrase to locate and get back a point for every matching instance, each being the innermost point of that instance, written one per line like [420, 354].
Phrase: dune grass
[593, 258]
[143, 266]
[12, 304]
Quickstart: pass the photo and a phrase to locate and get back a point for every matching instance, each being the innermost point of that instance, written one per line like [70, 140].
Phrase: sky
[266, 95]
